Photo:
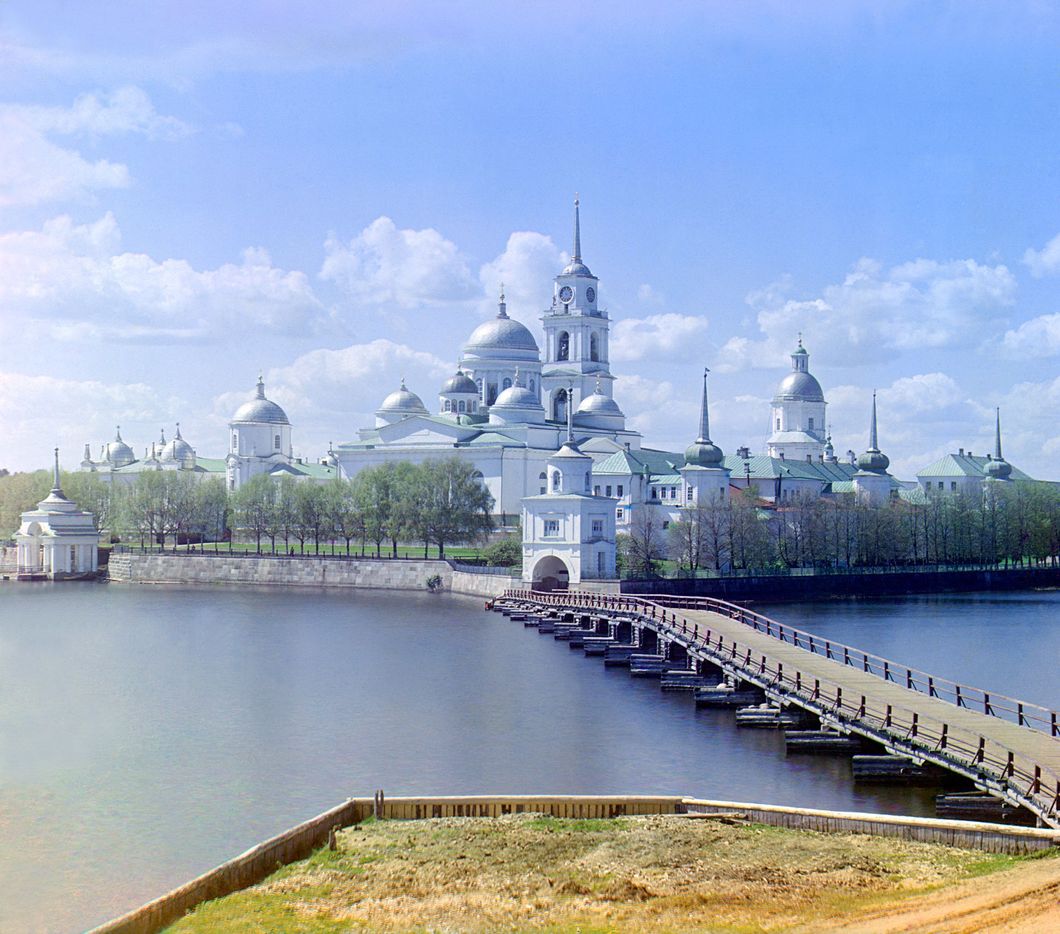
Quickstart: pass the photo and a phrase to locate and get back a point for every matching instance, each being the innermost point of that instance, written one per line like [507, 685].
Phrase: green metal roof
[964, 465]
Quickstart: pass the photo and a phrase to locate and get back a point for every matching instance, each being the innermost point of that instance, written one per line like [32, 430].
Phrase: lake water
[149, 733]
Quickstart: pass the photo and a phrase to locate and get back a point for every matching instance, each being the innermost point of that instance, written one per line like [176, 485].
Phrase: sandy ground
[1024, 900]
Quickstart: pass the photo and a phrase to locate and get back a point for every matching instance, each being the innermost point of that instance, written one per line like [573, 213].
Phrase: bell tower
[576, 336]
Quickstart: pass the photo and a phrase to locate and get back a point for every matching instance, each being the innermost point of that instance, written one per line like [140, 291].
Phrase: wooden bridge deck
[1033, 745]
[905, 710]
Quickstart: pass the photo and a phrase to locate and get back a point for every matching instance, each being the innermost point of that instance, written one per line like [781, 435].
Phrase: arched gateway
[551, 573]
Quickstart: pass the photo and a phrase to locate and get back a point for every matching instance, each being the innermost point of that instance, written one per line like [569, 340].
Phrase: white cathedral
[522, 419]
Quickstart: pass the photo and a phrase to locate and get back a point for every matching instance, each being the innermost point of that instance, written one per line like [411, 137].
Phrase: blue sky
[332, 195]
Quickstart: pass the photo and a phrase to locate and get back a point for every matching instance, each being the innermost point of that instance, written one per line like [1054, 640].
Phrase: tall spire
[704, 417]
[576, 257]
[56, 488]
[998, 468]
[874, 444]
[997, 436]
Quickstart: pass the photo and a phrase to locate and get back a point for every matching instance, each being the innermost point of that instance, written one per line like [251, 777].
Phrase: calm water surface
[149, 733]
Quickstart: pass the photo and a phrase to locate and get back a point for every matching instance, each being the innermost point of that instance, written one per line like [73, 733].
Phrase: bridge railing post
[987, 708]
[914, 727]
[981, 753]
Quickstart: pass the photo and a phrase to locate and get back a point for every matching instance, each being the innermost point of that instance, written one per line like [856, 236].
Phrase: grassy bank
[640, 873]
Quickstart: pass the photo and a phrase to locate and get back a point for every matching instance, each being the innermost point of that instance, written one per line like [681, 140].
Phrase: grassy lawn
[531, 872]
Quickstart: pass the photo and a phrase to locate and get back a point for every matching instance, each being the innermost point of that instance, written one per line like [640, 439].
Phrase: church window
[557, 482]
[618, 514]
[235, 442]
[778, 423]
[559, 406]
[463, 408]
[811, 424]
[942, 485]
[588, 480]
[532, 388]
[448, 406]
[276, 442]
[472, 406]
[563, 351]
[607, 491]
[544, 481]
[654, 493]
[953, 485]
[620, 491]
[594, 347]
[507, 383]
[491, 393]
[691, 494]
[598, 527]
[478, 382]
[596, 491]
[552, 527]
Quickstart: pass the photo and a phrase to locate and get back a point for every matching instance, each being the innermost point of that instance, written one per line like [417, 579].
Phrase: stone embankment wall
[808, 586]
[379, 573]
[300, 841]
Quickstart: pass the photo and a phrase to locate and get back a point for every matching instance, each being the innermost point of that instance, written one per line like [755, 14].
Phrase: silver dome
[517, 397]
[577, 268]
[119, 454]
[598, 404]
[261, 410]
[178, 449]
[459, 383]
[403, 401]
[502, 333]
[799, 386]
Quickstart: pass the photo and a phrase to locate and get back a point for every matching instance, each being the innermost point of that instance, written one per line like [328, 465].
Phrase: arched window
[472, 406]
[557, 482]
[448, 406]
[532, 387]
[559, 405]
[563, 347]
[462, 408]
[491, 393]
[507, 384]
[544, 482]
[588, 480]
[276, 442]
[594, 347]
[478, 382]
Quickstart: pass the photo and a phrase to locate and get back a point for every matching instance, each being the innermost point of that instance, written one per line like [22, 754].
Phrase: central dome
[501, 334]
[119, 454]
[260, 410]
[799, 386]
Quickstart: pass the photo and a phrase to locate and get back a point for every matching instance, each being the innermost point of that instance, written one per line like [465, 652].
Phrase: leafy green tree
[453, 503]
[253, 506]
[504, 553]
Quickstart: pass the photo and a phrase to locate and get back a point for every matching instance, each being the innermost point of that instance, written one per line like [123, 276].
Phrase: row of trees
[1015, 522]
[438, 503]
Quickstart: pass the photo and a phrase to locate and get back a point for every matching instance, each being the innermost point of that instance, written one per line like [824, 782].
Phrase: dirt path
[1024, 900]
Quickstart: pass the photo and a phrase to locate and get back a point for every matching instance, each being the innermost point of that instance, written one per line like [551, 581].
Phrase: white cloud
[1039, 337]
[329, 394]
[74, 284]
[385, 265]
[670, 336]
[1045, 261]
[912, 306]
[35, 169]
[39, 412]
[526, 267]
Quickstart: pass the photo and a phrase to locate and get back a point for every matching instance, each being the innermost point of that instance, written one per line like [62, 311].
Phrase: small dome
[261, 410]
[576, 268]
[704, 454]
[119, 454]
[403, 402]
[461, 383]
[873, 461]
[502, 333]
[598, 404]
[516, 397]
[178, 449]
[998, 469]
[799, 386]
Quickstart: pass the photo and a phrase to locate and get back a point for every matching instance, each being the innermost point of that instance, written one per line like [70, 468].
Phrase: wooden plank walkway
[847, 691]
